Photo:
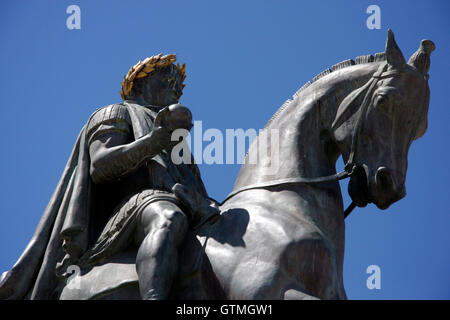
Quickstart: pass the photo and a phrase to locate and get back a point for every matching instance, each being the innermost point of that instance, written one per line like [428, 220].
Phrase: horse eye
[382, 101]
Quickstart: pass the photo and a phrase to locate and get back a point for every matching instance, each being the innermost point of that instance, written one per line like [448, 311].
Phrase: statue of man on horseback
[131, 193]
[279, 236]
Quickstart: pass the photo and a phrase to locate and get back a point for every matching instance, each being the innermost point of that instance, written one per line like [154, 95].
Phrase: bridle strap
[363, 110]
[350, 166]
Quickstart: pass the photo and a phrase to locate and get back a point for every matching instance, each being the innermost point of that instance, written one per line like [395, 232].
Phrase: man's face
[162, 88]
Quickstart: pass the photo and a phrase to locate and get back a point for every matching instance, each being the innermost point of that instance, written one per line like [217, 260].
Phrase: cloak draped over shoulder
[63, 231]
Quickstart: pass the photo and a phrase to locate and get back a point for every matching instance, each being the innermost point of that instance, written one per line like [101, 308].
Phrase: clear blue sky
[244, 59]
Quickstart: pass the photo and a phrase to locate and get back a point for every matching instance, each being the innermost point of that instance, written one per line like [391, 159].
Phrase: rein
[350, 166]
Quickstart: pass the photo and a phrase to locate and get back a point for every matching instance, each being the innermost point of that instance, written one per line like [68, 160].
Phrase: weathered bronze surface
[138, 226]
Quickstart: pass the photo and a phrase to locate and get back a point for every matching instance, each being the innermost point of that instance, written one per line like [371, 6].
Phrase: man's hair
[144, 68]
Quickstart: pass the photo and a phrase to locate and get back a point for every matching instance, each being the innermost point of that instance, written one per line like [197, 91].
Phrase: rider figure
[157, 200]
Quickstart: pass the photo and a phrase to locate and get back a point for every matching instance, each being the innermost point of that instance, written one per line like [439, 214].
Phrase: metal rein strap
[349, 166]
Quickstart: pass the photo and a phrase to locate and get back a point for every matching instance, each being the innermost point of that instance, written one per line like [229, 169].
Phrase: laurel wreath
[144, 68]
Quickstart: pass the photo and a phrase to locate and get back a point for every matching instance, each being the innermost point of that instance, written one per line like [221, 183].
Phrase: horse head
[376, 124]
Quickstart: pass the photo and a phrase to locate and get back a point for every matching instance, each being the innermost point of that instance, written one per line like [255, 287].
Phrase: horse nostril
[383, 179]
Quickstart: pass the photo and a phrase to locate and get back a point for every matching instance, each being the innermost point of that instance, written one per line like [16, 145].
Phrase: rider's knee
[165, 216]
[174, 219]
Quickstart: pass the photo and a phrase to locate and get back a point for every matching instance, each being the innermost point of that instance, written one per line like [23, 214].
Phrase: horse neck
[305, 147]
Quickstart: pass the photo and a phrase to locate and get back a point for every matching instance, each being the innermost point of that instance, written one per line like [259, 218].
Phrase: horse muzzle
[380, 188]
[386, 190]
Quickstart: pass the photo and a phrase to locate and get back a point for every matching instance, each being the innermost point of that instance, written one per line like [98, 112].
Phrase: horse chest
[277, 236]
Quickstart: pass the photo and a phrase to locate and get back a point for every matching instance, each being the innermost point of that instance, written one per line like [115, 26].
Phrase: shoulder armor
[114, 117]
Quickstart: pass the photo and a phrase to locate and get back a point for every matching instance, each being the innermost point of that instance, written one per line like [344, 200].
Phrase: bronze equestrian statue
[123, 211]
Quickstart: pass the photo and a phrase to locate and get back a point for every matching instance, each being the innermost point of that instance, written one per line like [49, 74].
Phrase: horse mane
[381, 56]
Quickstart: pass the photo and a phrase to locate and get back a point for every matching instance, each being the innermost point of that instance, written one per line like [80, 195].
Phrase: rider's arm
[112, 151]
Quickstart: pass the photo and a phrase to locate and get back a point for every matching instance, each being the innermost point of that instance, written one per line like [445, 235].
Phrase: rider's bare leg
[161, 228]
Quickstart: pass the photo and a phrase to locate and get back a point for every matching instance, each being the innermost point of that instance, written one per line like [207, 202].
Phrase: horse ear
[421, 58]
[394, 56]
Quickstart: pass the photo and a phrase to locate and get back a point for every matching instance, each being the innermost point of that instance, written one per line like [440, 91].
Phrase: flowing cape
[63, 231]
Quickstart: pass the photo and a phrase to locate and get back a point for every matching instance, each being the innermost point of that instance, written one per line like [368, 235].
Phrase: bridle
[351, 166]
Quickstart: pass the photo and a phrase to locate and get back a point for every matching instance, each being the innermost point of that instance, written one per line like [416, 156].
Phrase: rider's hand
[163, 137]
